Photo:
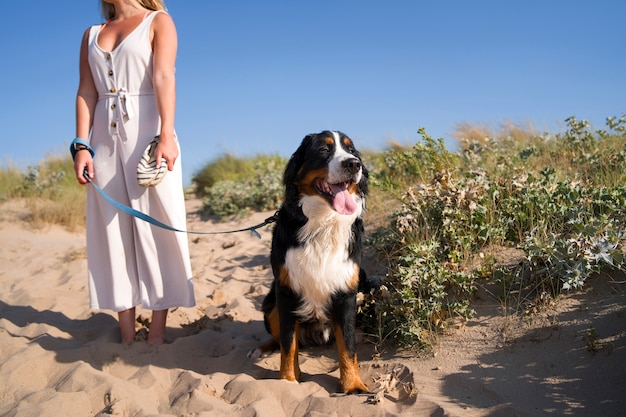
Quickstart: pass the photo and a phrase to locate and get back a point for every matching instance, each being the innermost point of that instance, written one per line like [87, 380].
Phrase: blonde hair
[108, 10]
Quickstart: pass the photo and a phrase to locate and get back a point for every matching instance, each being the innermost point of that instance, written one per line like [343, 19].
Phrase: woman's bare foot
[155, 341]
[156, 335]
[127, 325]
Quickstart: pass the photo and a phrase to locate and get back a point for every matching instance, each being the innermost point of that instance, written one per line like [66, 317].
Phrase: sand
[59, 358]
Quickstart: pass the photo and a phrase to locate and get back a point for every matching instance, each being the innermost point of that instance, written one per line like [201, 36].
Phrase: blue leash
[152, 220]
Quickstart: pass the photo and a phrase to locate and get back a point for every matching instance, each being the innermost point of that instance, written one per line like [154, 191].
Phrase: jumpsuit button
[108, 57]
[113, 124]
[112, 89]
[113, 106]
[111, 73]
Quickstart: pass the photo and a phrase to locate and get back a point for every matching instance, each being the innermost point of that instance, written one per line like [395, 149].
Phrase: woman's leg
[156, 335]
[127, 325]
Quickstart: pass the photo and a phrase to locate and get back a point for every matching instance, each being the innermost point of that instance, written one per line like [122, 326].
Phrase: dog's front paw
[352, 384]
[356, 388]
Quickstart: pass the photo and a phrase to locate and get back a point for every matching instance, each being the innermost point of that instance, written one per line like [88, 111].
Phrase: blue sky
[257, 76]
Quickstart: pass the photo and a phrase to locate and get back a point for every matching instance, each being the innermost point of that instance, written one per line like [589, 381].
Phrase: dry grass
[10, 179]
[485, 134]
[68, 212]
[49, 191]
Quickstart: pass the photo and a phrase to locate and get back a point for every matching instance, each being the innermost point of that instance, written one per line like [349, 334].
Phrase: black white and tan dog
[316, 255]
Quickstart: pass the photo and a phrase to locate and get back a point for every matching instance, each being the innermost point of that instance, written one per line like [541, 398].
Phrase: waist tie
[125, 109]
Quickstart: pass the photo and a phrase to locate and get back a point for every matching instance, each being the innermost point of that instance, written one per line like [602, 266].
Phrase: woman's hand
[167, 149]
[83, 161]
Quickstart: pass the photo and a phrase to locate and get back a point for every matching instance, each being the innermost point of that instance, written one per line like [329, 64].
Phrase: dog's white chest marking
[321, 266]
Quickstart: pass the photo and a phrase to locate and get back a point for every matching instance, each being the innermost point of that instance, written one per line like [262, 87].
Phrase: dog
[317, 245]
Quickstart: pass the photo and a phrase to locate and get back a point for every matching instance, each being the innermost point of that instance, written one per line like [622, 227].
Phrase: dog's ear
[296, 161]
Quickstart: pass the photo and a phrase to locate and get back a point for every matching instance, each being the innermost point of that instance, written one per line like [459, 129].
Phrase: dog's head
[327, 168]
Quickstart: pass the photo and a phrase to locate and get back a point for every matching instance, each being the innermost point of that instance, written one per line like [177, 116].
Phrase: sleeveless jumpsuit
[130, 261]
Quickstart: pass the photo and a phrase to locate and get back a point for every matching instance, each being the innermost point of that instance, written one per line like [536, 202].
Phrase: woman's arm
[164, 46]
[86, 99]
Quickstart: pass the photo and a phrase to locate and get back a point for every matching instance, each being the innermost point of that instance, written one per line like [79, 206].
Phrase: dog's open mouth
[338, 195]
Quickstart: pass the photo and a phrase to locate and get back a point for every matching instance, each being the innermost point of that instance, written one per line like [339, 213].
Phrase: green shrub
[422, 294]
[225, 168]
[559, 198]
[405, 167]
[259, 189]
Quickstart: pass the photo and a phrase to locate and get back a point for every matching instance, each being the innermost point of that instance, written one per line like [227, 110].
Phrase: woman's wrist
[167, 136]
[79, 144]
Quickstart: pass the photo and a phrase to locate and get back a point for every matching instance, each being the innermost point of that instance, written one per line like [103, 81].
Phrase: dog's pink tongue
[343, 203]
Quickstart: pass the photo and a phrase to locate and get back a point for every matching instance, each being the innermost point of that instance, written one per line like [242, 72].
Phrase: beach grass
[49, 190]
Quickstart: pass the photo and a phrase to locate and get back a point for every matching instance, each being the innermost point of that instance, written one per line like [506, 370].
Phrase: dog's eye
[324, 150]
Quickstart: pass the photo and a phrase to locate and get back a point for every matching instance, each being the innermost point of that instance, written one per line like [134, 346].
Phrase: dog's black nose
[352, 165]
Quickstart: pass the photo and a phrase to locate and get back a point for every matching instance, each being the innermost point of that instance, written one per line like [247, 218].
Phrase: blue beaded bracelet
[79, 144]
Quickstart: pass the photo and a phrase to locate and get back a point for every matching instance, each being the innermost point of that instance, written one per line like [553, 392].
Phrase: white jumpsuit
[130, 261]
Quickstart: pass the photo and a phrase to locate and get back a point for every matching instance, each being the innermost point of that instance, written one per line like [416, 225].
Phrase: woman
[126, 97]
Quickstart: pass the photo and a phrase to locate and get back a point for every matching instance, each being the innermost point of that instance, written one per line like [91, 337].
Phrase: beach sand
[59, 358]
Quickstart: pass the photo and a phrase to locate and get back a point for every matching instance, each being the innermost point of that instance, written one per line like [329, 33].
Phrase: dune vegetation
[557, 201]
[49, 192]
[438, 221]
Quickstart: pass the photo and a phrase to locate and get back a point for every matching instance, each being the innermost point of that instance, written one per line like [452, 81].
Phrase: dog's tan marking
[349, 375]
[283, 277]
[354, 283]
[329, 140]
[289, 366]
[307, 183]
[353, 188]
[347, 141]
[274, 323]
